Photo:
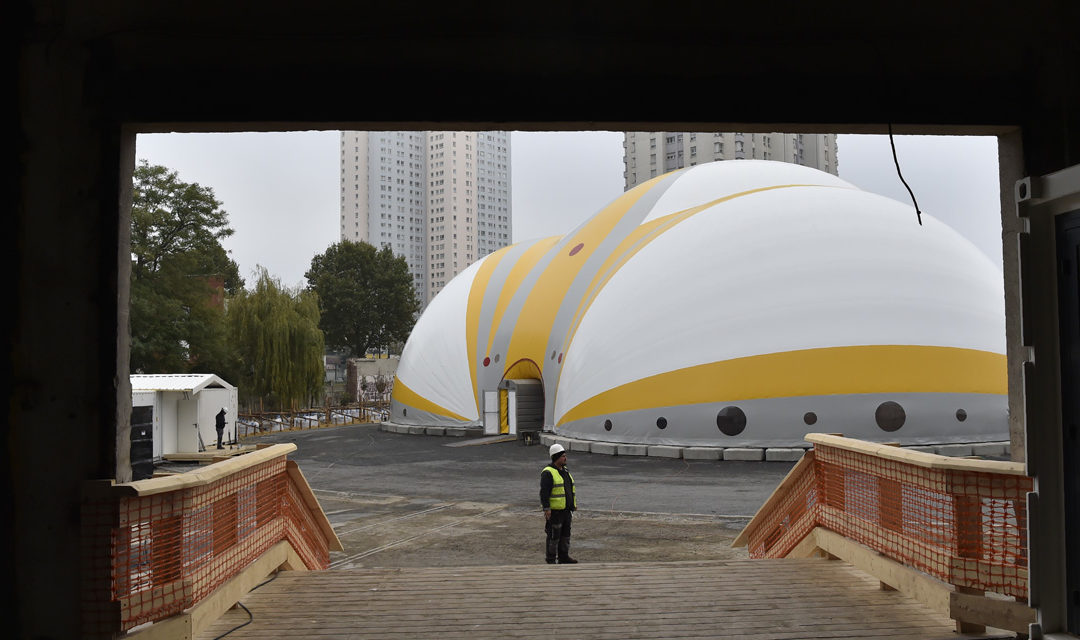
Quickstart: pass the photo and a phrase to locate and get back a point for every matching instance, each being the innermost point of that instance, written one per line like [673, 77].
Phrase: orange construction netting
[151, 557]
[965, 527]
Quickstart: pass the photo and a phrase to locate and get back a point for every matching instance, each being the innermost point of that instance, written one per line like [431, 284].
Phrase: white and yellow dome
[738, 303]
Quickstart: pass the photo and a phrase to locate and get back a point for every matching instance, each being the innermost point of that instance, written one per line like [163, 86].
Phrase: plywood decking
[763, 599]
[212, 453]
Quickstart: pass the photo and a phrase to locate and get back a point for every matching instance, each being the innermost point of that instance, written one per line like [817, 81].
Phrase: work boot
[564, 552]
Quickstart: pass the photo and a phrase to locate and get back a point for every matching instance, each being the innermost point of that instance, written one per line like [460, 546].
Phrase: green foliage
[366, 296]
[177, 315]
[276, 331]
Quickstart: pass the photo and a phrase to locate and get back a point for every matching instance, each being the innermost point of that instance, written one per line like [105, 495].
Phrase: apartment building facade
[441, 199]
[647, 154]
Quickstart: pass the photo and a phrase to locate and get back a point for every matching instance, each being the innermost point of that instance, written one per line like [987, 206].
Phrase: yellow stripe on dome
[646, 233]
[604, 273]
[809, 372]
[533, 328]
[517, 275]
[638, 240]
[407, 396]
[477, 289]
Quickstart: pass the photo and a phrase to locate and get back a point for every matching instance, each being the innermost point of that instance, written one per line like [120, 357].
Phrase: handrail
[917, 458]
[202, 476]
[960, 523]
[185, 546]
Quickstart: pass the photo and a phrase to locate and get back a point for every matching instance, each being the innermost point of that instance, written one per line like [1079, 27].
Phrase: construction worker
[219, 424]
[558, 499]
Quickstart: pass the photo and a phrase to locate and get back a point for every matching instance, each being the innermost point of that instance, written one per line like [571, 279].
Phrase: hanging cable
[251, 618]
[918, 214]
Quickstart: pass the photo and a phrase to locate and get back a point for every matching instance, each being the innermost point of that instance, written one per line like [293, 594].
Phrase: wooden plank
[205, 475]
[1000, 614]
[917, 458]
[177, 627]
[808, 548]
[312, 503]
[938, 595]
[765, 599]
[803, 466]
[919, 586]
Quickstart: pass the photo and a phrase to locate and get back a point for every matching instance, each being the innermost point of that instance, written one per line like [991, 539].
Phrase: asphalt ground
[398, 500]
[363, 459]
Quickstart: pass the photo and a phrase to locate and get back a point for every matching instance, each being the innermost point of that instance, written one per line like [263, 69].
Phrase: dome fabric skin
[734, 303]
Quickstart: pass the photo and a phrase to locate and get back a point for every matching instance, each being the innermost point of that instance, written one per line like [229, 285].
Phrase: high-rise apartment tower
[441, 199]
[647, 154]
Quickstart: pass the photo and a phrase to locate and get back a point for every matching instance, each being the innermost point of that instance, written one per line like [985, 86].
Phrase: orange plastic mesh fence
[302, 531]
[152, 557]
[967, 528]
[792, 516]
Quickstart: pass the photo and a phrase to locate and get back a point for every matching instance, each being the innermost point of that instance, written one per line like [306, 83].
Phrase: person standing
[558, 499]
[219, 424]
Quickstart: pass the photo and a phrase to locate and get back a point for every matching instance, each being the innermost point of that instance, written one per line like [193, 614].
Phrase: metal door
[491, 413]
[142, 442]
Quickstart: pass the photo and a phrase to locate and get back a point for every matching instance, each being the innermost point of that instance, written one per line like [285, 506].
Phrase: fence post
[890, 509]
[967, 513]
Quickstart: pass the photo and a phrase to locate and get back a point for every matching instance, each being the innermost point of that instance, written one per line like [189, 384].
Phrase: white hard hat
[555, 448]
[225, 409]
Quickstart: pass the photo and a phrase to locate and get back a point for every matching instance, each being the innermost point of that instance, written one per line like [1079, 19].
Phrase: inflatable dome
[729, 304]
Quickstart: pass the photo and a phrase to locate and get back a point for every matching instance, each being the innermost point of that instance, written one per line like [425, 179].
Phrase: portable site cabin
[180, 409]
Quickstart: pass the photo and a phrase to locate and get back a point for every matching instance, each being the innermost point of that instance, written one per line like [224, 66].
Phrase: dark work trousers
[558, 534]
[219, 432]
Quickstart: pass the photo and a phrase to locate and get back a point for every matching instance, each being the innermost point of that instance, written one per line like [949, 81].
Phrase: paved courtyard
[400, 500]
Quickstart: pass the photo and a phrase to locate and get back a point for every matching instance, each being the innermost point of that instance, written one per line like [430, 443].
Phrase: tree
[366, 296]
[179, 273]
[276, 331]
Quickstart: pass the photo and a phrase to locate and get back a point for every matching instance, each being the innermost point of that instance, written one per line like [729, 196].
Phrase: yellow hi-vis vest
[558, 490]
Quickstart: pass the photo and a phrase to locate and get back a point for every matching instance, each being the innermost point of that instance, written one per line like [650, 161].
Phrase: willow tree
[276, 331]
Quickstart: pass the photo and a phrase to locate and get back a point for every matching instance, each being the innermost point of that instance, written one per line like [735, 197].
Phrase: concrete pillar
[71, 398]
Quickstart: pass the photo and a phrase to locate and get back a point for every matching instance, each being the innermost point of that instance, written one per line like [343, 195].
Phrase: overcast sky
[281, 189]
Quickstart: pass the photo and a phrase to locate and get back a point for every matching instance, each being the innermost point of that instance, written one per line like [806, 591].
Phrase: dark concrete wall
[91, 74]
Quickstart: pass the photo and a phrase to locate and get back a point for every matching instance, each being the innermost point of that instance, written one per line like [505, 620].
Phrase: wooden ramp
[762, 599]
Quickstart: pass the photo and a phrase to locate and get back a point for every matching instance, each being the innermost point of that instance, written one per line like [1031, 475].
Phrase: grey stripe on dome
[488, 377]
[779, 422]
[487, 311]
[578, 288]
[403, 414]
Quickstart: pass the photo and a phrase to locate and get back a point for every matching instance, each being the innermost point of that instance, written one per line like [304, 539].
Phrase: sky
[281, 190]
